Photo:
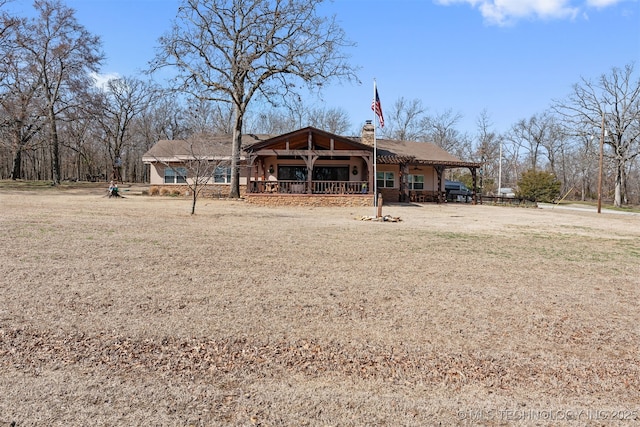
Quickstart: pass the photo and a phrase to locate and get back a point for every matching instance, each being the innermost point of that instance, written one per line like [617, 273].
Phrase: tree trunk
[55, 147]
[617, 200]
[194, 199]
[235, 155]
[17, 166]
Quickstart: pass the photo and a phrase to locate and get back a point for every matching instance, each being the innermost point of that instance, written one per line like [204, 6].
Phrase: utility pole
[500, 172]
[600, 165]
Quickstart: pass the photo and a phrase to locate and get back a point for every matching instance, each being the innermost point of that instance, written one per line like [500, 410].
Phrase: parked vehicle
[456, 190]
[506, 192]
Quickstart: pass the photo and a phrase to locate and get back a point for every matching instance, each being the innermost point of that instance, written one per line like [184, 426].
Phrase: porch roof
[425, 153]
[305, 138]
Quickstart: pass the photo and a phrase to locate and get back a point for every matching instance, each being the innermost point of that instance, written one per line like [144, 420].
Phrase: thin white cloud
[602, 3]
[101, 80]
[504, 12]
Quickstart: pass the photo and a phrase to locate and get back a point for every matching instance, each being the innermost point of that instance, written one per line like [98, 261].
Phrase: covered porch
[313, 163]
[309, 161]
[304, 187]
[423, 180]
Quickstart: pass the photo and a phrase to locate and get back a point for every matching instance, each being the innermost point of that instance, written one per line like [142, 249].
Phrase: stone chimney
[368, 133]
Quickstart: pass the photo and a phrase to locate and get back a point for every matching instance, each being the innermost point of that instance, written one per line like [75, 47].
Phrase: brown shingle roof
[393, 152]
[212, 146]
[219, 147]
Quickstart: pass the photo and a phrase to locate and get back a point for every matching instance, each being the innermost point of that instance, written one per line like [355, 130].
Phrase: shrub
[538, 186]
[164, 191]
[154, 190]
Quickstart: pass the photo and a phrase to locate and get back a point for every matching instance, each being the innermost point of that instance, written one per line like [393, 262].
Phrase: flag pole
[375, 156]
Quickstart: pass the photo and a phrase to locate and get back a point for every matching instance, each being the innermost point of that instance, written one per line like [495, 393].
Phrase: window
[385, 179]
[292, 173]
[331, 173]
[416, 182]
[175, 175]
[222, 174]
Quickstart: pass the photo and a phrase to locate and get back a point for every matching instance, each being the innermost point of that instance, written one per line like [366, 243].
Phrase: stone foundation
[269, 199]
[210, 190]
[315, 200]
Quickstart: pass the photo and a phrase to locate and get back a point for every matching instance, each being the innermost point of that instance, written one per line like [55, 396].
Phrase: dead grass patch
[134, 312]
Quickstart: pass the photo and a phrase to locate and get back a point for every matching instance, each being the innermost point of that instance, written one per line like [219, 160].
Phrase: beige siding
[156, 174]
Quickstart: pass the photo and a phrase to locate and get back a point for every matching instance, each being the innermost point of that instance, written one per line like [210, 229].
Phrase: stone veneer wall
[389, 194]
[315, 200]
[211, 190]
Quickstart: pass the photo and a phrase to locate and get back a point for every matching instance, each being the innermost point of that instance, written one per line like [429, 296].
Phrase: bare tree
[206, 117]
[537, 136]
[615, 99]
[585, 155]
[441, 130]
[405, 120]
[63, 53]
[271, 122]
[123, 100]
[199, 166]
[233, 50]
[294, 115]
[81, 136]
[21, 106]
[164, 119]
[488, 150]
[8, 24]
[22, 112]
[334, 120]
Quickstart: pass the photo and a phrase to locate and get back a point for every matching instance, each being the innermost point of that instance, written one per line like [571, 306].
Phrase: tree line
[564, 140]
[243, 66]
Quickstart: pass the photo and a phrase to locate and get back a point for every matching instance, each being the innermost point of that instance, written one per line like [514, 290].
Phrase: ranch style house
[313, 167]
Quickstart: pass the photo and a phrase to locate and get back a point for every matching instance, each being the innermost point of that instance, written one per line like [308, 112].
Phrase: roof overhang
[307, 139]
[412, 160]
[186, 158]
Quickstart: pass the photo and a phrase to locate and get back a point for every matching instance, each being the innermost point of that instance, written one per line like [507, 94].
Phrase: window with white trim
[175, 175]
[385, 179]
[416, 182]
[222, 175]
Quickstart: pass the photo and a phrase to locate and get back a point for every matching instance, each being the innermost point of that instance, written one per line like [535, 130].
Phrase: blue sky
[510, 57]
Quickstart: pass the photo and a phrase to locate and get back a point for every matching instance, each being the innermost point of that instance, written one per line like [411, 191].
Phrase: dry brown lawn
[133, 312]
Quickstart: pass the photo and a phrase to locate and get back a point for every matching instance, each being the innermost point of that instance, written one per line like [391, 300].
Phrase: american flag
[377, 108]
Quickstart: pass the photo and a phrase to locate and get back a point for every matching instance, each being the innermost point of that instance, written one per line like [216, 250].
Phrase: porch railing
[302, 187]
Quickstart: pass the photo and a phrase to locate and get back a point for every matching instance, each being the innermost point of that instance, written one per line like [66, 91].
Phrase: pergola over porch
[407, 162]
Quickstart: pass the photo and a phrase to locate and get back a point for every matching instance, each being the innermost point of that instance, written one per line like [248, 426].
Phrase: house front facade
[171, 163]
[313, 167]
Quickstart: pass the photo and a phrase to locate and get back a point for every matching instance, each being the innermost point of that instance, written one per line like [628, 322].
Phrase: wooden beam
[304, 153]
[474, 195]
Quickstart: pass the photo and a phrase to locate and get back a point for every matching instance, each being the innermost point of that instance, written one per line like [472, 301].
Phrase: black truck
[457, 191]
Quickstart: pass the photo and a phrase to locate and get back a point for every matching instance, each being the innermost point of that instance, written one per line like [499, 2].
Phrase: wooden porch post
[309, 163]
[250, 160]
[439, 172]
[367, 161]
[404, 185]
[473, 190]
